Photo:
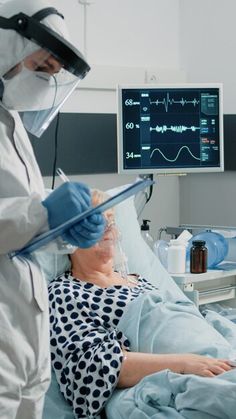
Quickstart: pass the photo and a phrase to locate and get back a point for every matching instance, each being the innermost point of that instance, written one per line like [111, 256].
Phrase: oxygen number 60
[129, 125]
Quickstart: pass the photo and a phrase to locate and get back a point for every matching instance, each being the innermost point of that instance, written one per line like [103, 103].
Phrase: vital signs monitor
[170, 128]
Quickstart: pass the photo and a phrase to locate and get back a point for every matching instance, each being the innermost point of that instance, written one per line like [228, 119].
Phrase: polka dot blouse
[86, 344]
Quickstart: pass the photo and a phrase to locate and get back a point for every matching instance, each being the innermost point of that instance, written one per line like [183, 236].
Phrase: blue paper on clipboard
[50, 235]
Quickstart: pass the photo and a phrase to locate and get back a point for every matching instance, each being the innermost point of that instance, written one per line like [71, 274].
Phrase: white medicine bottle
[145, 231]
[176, 257]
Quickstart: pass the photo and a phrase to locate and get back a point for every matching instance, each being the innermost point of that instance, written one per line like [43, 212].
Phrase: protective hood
[15, 46]
[39, 67]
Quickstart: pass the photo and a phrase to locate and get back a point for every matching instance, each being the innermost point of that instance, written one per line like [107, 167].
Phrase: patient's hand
[202, 365]
[136, 365]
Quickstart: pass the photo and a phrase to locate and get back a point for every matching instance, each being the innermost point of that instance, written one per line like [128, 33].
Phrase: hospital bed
[141, 260]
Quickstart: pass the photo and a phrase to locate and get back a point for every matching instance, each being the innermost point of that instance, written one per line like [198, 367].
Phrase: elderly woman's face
[106, 246]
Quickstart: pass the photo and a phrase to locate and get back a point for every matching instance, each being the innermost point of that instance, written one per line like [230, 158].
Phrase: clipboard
[50, 235]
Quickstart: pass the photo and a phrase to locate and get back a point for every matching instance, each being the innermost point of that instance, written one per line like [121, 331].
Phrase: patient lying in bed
[91, 356]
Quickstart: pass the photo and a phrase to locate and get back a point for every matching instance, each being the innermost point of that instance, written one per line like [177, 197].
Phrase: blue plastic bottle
[216, 244]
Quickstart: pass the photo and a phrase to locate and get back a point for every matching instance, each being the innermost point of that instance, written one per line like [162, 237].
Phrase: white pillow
[141, 259]
[52, 264]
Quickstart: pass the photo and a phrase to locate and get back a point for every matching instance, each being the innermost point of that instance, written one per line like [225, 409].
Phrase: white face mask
[29, 90]
[38, 94]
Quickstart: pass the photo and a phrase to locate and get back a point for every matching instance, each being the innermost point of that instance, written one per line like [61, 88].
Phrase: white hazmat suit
[24, 334]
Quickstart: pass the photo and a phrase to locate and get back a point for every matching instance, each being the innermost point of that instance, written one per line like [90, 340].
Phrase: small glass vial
[176, 257]
[198, 257]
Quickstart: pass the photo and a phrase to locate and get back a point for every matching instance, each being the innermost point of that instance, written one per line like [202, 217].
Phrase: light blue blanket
[158, 326]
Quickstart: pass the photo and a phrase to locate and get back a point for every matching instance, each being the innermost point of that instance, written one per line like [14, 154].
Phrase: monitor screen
[170, 129]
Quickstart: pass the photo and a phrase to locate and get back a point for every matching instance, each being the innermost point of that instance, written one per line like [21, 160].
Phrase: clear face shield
[38, 86]
[47, 71]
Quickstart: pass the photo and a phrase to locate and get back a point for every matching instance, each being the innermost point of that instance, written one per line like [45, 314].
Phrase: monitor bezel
[166, 171]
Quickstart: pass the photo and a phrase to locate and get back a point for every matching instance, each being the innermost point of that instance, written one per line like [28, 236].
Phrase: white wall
[130, 35]
[208, 199]
[208, 54]
[208, 44]
[126, 32]
[197, 38]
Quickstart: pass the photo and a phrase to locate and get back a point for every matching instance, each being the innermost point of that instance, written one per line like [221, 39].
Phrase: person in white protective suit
[39, 68]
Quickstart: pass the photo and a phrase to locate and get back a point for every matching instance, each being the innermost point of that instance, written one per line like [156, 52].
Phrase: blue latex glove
[67, 201]
[86, 233]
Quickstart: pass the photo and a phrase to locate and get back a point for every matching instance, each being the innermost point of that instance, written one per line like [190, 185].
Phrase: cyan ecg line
[167, 101]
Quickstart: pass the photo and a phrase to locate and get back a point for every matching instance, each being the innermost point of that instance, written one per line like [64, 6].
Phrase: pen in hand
[62, 175]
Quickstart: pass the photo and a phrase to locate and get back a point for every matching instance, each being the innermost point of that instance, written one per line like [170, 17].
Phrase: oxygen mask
[109, 238]
[111, 245]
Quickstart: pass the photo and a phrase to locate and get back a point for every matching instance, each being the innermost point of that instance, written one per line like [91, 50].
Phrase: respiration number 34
[129, 155]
